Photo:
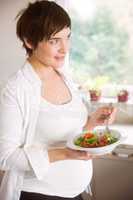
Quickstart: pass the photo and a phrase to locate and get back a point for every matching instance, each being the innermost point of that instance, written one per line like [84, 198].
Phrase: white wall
[12, 55]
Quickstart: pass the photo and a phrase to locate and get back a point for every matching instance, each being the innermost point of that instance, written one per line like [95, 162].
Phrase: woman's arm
[66, 153]
[100, 116]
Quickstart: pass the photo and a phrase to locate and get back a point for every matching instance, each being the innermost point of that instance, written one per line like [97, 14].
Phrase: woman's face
[53, 51]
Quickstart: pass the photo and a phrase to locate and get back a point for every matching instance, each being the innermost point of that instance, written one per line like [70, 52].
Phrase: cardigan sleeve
[13, 153]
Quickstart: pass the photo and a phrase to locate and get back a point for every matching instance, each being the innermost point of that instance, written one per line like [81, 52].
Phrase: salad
[91, 139]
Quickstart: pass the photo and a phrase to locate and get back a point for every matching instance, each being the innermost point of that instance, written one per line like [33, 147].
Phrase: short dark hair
[39, 21]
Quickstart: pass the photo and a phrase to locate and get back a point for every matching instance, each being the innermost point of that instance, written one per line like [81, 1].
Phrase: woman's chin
[59, 64]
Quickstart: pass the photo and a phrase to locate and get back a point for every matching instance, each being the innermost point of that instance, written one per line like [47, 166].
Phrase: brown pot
[122, 96]
[95, 95]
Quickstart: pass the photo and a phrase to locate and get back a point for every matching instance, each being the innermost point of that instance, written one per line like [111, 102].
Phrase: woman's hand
[100, 117]
[66, 153]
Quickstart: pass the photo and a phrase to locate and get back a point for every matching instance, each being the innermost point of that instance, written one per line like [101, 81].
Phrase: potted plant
[95, 94]
[122, 96]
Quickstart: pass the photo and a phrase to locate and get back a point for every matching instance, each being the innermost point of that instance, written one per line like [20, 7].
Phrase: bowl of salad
[97, 142]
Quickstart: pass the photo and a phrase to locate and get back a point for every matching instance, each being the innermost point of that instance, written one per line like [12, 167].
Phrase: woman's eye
[53, 41]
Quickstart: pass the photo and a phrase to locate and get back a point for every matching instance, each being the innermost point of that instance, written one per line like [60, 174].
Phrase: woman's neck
[44, 72]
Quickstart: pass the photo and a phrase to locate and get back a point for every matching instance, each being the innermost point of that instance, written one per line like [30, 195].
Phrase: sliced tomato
[88, 135]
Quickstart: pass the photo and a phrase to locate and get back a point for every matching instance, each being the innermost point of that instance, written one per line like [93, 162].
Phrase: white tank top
[55, 124]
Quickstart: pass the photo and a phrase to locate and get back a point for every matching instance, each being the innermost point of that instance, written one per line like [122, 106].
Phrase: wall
[12, 54]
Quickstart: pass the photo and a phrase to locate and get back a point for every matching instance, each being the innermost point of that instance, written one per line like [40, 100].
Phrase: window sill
[113, 100]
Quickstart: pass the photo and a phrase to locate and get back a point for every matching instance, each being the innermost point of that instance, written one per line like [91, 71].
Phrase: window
[102, 44]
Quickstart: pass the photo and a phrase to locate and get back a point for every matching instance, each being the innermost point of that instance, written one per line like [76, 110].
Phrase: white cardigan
[19, 108]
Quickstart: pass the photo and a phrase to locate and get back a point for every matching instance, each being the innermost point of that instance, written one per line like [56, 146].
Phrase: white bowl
[98, 150]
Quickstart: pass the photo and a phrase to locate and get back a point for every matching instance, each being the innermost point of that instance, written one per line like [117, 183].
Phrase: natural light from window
[87, 10]
[102, 44]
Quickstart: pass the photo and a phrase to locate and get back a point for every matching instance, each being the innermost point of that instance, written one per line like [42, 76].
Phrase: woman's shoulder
[23, 78]
[16, 81]
[15, 86]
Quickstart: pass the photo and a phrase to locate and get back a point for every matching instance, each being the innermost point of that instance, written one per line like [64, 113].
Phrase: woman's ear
[27, 44]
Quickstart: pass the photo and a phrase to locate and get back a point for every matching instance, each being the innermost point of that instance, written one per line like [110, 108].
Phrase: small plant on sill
[122, 96]
[95, 94]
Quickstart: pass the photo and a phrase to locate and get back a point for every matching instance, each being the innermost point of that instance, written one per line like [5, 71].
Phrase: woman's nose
[64, 47]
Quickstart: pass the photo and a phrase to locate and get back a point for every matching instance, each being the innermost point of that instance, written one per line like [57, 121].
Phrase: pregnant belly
[64, 178]
[73, 173]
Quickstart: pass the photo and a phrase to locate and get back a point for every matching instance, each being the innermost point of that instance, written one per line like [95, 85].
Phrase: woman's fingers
[112, 116]
[107, 113]
[79, 155]
[101, 115]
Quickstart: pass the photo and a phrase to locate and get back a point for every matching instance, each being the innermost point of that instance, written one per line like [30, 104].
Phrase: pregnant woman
[40, 107]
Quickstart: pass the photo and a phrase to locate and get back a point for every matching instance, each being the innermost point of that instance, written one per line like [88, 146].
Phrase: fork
[107, 127]
[107, 124]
